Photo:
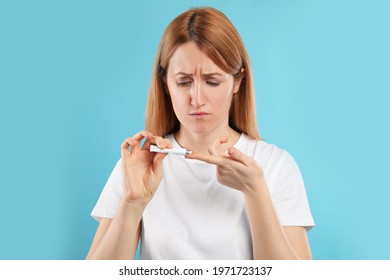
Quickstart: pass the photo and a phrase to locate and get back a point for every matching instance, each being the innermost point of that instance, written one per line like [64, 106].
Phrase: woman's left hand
[234, 168]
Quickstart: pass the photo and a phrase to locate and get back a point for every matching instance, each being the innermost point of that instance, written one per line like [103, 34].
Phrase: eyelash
[213, 84]
[187, 83]
[183, 84]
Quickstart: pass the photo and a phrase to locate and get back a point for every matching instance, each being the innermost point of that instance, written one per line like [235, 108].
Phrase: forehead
[190, 59]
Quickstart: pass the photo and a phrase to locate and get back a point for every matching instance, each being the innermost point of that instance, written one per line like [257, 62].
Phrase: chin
[200, 129]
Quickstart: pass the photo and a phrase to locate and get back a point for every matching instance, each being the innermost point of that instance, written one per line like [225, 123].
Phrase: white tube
[176, 151]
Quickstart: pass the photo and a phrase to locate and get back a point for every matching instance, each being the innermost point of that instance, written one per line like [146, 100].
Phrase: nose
[197, 97]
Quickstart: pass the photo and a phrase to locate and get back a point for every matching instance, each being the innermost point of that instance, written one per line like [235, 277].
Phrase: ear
[237, 80]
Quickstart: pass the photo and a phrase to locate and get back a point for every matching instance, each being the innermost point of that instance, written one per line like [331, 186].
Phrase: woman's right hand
[142, 169]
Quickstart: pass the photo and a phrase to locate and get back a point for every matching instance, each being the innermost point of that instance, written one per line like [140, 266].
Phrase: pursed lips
[199, 113]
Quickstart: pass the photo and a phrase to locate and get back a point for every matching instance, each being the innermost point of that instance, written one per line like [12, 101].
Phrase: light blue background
[73, 82]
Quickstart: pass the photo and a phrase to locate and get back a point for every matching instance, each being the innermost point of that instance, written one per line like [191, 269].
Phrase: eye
[183, 83]
[213, 83]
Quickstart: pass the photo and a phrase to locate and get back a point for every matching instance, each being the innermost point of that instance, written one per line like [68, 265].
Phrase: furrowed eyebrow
[212, 74]
[204, 75]
[183, 74]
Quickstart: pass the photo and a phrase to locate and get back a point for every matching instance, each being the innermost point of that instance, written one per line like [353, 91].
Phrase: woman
[234, 196]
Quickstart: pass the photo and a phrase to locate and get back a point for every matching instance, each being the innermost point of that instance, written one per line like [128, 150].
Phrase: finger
[207, 158]
[125, 146]
[156, 140]
[239, 156]
[160, 142]
[163, 143]
[213, 150]
[144, 134]
[137, 138]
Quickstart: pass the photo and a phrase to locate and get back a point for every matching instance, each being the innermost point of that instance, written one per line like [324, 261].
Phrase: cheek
[222, 98]
[178, 105]
[179, 101]
[176, 97]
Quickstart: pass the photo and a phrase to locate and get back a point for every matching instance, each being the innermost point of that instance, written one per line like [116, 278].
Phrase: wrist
[134, 206]
[259, 188]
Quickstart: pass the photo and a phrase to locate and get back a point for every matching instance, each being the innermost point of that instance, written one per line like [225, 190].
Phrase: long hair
[216, 36]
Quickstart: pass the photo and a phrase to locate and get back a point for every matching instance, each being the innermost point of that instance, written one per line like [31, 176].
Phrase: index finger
[161, 143]
[217, 160]
[126, 145]
[213, 150]
[151, 139]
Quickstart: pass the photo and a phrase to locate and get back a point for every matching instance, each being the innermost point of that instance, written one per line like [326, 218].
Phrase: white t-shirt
[192, 216]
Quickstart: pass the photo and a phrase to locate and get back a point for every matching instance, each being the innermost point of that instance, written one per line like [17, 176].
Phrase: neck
[200, 143]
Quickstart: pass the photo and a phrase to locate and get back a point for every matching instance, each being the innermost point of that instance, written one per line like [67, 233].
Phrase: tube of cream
[176, 151]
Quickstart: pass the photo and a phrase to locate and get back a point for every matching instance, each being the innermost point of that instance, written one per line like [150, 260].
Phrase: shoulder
[260, 149]
[273, 159]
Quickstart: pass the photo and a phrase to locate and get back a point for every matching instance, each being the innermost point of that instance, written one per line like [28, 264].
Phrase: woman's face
[200, 91]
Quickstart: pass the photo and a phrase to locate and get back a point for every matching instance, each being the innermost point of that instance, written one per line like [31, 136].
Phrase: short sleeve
[109, 198]
[289, 195]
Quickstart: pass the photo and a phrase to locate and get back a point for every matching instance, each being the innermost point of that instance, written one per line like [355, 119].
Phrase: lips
[199, 114]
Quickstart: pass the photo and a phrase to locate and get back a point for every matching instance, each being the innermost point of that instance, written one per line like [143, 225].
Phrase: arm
[271, 240]
[117, 238]
[100, 232]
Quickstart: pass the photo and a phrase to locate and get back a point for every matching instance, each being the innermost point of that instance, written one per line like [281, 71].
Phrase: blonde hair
[216, 36]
